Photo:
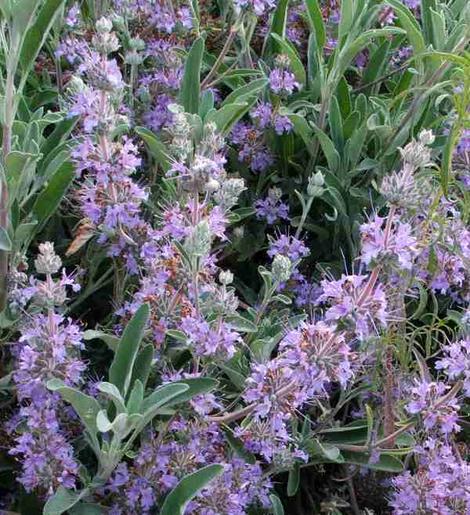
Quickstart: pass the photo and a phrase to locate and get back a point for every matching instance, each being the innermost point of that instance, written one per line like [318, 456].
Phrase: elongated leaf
[293, 480]
[355, 434]
[447, 154]
[247, 90]
[156, 148]
[38, 32]
[439, 30]
[350, 51]
[324, 450]
[84, 508]
[302, 128]
[51, 196]
[336, 125]
[143, 364]
[316, 21]
[120, 372]
[278, 25]
[177, 500]
[111, 341]
[136, 398]
[346, 18]
[411, 26]
[5, 241]
[86, 407]
[207, 103]
[276, 504]
[228, 115]
[196, 386]
[377, 63]
[113, 393]
[191, 85]
[62, 501]
[60, 132]
[242, 324]
[162, 396]
[385, 462]
[328, 148]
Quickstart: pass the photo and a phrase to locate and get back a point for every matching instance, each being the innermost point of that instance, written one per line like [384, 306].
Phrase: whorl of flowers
[48, 348]
[109, 198]
[355, 302]
[441, 483]
[188, 446]
[309, 359]
[436, 404]
[456, 362]
[271, 208]
[393, 242]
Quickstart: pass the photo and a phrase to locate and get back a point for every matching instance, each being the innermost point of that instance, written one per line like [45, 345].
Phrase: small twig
[352, 497]
[384, 77]
[231, 417]
[378, 444]
[220, 57]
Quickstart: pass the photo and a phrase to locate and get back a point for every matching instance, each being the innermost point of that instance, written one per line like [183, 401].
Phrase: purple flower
[441, 483]
[355, 303]
[264, 117]
[209, 341]
[187, 446]
[288, 246]
[253, 149]
[456, 363]
[308, 359]
[159, 116]
[49, 347]
[271, 208]
[282, 124]
[46, 456]
[379, 244]
[259, 7]
[282, 82]
[73, 16]
[437, 410]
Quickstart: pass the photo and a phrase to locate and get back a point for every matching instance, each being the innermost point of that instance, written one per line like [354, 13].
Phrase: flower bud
[75, 85]
[104, 25]
[282, 61]
[282, 268]
[47, 262]
[118, 22]
[416, 153]
[239, 232]
[212, 185]
[275, 193]
[315, 185]
[426, 137]
[137, 44]
[225, 277]
[227, 195]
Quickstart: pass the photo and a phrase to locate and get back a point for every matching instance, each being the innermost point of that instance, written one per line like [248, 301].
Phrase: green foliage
[177, 500]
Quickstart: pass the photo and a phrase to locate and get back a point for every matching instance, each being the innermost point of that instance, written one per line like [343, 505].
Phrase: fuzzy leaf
[176, 501]
[316, 21]
[86, 407]
[191, 84]
[62, 501]
[122, 366]
[50, 197]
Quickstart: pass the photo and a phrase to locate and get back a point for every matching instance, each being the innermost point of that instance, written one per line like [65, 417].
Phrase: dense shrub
[235, 257]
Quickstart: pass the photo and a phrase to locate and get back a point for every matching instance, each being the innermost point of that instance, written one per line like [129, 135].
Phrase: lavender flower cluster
[254, 314]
